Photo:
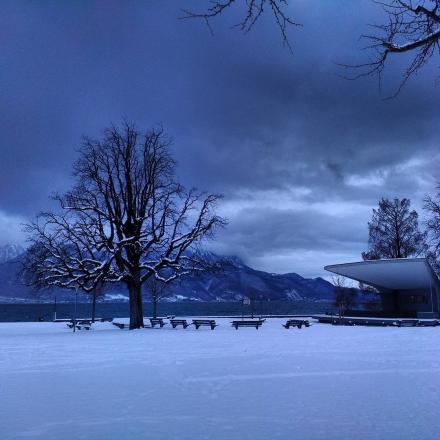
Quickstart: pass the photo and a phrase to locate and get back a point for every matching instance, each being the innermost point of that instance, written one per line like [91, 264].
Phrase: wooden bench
[81, 324]
[177, 322]
[79, 321]
[105, 319]
[204, 322]
[296, 323]
[120, 325]
[157, 321]
[254, 323]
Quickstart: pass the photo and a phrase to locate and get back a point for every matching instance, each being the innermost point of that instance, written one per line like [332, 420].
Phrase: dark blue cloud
[245, 115]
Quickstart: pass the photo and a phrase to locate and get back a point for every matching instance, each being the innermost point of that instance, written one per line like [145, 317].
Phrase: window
[418, 299]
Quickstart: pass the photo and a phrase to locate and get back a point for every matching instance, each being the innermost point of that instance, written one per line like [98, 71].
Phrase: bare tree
[412, 27]
[394, 231]
[98, 292]
[125, 220]
[344, 297]
[254, 9]
[432, 206]
[157, 289]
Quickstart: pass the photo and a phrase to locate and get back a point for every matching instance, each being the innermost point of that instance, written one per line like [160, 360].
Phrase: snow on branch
[413, 27]
[126, 219]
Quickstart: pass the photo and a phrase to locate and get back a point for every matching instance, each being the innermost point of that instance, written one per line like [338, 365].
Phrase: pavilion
[407, 286]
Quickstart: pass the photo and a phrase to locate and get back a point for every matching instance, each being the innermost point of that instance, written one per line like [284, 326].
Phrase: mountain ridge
[235, 281]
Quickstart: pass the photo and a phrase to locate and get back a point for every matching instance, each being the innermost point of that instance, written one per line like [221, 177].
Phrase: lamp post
[432, 299]
[55, 309]
[74, 313]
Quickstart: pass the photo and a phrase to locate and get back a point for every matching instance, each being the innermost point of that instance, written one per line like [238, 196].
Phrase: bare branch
[412, 27]
[126, 219]
[254, 10]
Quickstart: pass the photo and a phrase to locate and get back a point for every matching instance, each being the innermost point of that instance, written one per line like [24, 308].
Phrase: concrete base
[428, 315]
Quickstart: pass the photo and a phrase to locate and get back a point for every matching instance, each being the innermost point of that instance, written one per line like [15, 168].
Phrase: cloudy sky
[301, 154]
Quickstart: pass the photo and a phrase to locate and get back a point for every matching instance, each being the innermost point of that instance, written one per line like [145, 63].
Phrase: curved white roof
[394, 274]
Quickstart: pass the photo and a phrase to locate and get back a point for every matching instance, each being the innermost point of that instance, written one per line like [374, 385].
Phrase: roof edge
[380, 261]
[335, 268]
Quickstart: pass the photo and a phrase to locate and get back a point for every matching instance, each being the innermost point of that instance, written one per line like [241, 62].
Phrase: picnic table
[80, 324]
[176, 322]
[250, 323]
[157, 321]
[296, 323]
[121, 325]
[204, 322]
[104, 319]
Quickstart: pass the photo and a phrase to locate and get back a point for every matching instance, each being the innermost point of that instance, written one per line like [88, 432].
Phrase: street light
[74, 313]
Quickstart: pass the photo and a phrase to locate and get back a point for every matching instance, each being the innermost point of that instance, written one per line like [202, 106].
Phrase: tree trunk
[154, 306]
[93, 307]
[136, 313]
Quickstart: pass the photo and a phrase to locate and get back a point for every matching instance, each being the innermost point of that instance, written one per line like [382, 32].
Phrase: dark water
[45, 312]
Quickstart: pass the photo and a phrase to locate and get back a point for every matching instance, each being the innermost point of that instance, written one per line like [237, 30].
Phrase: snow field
[322, 382]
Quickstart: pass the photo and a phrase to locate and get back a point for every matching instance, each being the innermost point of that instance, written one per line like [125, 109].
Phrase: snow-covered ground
[322, 382]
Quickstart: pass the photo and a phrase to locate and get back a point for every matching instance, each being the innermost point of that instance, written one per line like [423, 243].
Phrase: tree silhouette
[125, 220]
[253, 10]
[412, 27]
[394, 231]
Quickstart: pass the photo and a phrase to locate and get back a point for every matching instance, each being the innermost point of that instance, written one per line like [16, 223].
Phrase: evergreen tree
[394, 231]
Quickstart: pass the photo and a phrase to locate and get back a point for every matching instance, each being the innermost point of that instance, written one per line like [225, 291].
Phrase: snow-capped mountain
[9, 252]
[231, 283]
[236, 280]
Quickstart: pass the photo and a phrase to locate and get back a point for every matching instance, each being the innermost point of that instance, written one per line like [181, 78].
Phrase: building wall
[411, 301]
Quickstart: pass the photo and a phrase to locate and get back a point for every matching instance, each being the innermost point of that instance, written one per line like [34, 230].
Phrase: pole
[93, 307]
[74, 313]
[432, 299]
[154, 303]
[55, 310]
